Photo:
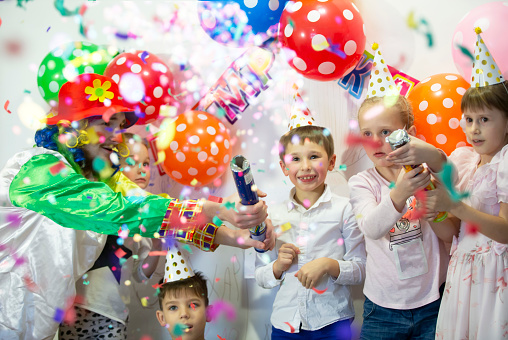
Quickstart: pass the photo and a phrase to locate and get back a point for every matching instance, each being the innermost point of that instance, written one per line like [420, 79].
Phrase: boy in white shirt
[323, 251]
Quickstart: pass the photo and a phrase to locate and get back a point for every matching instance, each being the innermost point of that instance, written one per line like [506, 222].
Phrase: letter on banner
[354, 81]
[244, 79]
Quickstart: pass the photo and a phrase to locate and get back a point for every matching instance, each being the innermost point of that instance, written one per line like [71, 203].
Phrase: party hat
[300, 113]
[177, 266]
[485, 70]
[381, 83]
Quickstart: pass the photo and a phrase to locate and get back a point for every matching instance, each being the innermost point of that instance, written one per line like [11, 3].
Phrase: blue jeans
[340, 330]
[381, 323]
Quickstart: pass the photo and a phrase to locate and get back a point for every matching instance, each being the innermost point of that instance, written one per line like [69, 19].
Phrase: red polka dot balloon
[200, 150]
[322, 40]
[145, 83]
[436, 106]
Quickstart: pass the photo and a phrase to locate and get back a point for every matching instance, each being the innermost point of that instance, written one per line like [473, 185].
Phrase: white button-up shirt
[327, 229]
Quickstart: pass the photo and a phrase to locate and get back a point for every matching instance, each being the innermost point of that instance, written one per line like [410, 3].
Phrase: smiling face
[307, 165]
[185, 313]
[376, 123]
[137, 165]
[487, 131]
[106, 131]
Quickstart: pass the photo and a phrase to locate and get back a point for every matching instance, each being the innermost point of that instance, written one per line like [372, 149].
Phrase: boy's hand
[417, 152]
[312, 272]
[287, 253]
[407, 184]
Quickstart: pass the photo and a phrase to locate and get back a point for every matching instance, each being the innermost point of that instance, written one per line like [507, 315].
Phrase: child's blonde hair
[402, 105]
[492, 96]
[312, 133]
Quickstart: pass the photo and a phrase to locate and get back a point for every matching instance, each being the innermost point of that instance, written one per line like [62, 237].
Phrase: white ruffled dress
[475, 301]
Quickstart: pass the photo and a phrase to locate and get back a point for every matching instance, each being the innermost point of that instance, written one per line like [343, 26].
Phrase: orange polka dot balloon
[200, 150]
[436, 106]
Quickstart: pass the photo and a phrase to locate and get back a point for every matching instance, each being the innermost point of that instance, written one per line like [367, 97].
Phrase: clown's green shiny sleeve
[50, 187]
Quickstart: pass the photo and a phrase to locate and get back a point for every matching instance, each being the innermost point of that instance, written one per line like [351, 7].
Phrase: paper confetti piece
[217, 221]
[221, 307]
[229, 205]
[471, 229]
[306, 203]
[55, 169]
[59, 315]
[353, 139]
[120, 253]
[465, 51]
[6, 105]
[421, 197]
[446, 177]
[292, 329]
[391, 185]
[158, 253]
[220, 337]
[144, 301]
[319, 291]
[14, 220]
[343, 167]
[187, 248]
[285, 227]
[179, 329]
[143, 56]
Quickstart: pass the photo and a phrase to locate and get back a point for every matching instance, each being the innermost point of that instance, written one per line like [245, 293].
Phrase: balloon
[145, 83]
[322, 40]
[492, 19]
[66, 62]
[436, 106]
[242, 22]
[196, 146]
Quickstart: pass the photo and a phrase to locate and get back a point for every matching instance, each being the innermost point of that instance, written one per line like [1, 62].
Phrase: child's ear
[284, 168]
[331, 163]
[412, 131]
[160, 318]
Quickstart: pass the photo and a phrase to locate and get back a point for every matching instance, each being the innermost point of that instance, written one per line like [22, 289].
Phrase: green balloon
[66, 62]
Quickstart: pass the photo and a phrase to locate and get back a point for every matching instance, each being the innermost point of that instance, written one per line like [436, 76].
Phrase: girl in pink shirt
[406, 262]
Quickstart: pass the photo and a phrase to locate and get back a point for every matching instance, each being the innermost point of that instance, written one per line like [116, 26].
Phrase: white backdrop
[38, 28]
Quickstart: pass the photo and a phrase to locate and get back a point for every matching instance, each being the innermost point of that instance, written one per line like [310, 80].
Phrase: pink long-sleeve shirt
[406, 262]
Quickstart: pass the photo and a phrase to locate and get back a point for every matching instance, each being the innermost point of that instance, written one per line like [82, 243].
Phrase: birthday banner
[243, 80]
[354, 81]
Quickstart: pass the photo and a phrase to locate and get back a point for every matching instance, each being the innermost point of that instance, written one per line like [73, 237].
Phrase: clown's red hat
[90, 95]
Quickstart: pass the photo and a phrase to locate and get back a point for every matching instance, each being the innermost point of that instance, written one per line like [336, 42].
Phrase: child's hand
[438, 200]
[417, 152]
[407, 184]
[287, 253]
[312, 272]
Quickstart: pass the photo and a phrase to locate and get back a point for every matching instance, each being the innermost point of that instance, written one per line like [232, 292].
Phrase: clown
[55, 206]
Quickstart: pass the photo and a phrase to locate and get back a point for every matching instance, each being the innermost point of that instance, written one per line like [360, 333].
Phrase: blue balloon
[241, 22]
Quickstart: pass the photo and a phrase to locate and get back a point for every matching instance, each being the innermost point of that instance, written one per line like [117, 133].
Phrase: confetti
[217, 279]
[144, 301]
[353, 139]
[421, 197]
[158, 253]
[290, 327]
[340, 241]
[59, 315]
[143, 56]
[120, 253]
[221, 307]
[391, 185]
[6, 105]
[14, 220]
[471, 229]
[343, 167]
[187, 247]
[229, 205]
[285, 227]
[220, 337]
[179, 329]
[217, 221]
[319, 291]
[306, 203]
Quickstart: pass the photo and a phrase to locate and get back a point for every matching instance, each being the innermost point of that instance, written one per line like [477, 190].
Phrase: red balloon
[145, 83]
[323, 40]
[436, 106]
[197, 148]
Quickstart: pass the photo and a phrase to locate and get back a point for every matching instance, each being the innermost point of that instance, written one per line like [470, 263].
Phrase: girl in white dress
[475, 301]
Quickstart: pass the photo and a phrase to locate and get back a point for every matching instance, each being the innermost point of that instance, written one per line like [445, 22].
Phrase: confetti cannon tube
[244, 181]
[399, 138]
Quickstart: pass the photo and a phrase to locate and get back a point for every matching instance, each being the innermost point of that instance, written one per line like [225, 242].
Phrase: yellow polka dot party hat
[381, 83]
[177, 266]
[300, 114]
[485, 70]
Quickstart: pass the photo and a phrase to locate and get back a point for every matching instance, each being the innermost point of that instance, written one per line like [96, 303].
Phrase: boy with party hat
[320, 252]
[183, 298]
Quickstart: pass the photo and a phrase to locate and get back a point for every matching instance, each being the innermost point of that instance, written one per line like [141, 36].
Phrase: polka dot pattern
[381, 82]
[154, 82]
[176, 266]
[485, 70]
[436, 107]
[329, 45]
[200, 150]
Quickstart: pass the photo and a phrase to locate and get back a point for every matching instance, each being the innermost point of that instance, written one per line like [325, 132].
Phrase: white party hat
[381, 83]
[485, 70]
[300, 113]
[177, 266]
